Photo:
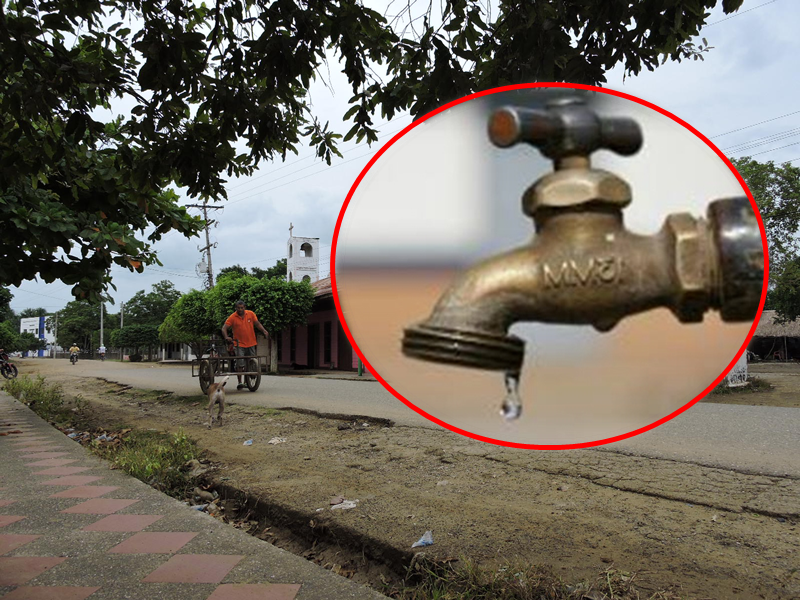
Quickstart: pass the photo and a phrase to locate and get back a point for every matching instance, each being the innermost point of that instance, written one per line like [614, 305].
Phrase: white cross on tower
[290, 229]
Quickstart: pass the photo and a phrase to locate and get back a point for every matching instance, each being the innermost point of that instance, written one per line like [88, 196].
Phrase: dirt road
[701, 531]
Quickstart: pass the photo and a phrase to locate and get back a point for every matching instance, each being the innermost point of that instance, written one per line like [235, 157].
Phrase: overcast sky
[745, 90]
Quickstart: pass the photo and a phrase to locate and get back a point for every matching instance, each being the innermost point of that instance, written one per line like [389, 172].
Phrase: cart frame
[207, 369]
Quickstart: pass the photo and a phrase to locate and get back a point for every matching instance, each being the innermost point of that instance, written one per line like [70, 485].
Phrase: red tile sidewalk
[92, 532]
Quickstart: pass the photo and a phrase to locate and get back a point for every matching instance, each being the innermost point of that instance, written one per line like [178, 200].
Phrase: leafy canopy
[9, 339]
[76, 323]
[776, 190]
[135, 336]
[200, 314]
[277, 270]
[151, 308]
[190, 321]
[82, 189]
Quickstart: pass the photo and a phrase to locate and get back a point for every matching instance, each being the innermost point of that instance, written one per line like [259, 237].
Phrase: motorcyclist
[102, 352]
[74, 350]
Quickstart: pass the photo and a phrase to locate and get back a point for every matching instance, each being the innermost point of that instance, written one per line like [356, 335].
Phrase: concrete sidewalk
[71, 528]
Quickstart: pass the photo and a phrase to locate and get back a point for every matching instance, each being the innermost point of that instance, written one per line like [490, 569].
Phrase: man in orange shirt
[243, 321]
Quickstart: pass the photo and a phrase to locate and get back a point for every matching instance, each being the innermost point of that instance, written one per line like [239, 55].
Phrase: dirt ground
[697, 531]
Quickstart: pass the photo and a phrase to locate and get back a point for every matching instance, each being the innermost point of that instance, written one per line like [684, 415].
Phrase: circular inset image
[549, 266]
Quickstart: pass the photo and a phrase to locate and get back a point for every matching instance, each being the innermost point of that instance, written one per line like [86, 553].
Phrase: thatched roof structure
[768, 328]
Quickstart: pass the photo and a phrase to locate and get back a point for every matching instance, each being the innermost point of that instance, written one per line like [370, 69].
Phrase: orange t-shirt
[243, 328]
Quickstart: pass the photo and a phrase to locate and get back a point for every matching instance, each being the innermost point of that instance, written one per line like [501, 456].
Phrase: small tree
[190, 321]
[136, 337]
[280, 304]
[77, 322]
[28, 342]
[153, 307]
[277, 303]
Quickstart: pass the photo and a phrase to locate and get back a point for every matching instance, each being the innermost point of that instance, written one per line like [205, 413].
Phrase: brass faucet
[583, 266]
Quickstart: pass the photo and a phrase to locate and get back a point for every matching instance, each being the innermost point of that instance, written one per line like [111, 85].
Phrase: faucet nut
[690, 240]
[573, 187]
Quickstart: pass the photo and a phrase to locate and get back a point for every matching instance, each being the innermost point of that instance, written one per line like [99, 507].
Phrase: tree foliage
[9, 339]
[29, 342]
[77, 321]
[776, 190]
[199, 315]
[232, 271]
[6, 313]
[190, 321]
[280, 304]
[81, 190]
[135, 337]
[153, 307]
[278, 270]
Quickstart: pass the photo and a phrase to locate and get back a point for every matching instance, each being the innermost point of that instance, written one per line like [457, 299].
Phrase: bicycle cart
[214, 366]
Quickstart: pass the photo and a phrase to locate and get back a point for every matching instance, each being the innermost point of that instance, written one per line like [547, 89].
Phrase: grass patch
[463, 580]
[45, 399]
[155, 458]
[754, 385]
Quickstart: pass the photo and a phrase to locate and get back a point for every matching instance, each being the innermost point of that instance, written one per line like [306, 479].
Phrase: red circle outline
[481, 438]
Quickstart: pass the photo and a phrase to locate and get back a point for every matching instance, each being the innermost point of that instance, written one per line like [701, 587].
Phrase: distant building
[777, 341]
[36, 326]
[321, 343]
[302, 262]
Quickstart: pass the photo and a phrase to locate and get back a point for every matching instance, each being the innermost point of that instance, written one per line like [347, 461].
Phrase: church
[321, 343]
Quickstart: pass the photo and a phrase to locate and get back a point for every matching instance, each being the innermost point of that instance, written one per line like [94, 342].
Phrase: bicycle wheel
[253, 381]
[206, 376]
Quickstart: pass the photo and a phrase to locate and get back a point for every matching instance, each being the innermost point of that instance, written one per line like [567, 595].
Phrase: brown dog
[216, 395]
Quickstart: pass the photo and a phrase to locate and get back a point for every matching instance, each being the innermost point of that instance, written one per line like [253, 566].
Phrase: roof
[322, 288]
[768, 328]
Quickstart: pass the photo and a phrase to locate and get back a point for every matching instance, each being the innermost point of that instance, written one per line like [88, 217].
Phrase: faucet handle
[565, 128]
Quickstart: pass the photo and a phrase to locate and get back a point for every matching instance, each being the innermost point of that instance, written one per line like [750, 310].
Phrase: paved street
[366, 397]
[755, 439]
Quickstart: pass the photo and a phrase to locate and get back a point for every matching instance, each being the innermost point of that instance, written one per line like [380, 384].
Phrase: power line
[300, 178]
[765, 140]
[754, 124]
[773, 149]
[157, 270]
[324, 170]
[40, 294]
[739, 14]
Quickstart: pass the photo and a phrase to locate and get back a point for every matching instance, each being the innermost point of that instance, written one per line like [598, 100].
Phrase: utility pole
[102, 306]
[209, 272]
[121, 311]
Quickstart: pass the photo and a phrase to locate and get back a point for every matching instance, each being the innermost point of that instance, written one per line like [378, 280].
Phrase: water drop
[512, 403]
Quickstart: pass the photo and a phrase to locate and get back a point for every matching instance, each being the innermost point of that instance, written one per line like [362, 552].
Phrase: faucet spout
[581, 268]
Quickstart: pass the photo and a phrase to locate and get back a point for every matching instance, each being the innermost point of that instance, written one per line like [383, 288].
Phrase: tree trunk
[273, 354]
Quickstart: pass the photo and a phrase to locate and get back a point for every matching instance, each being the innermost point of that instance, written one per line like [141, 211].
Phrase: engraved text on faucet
[574, 273]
